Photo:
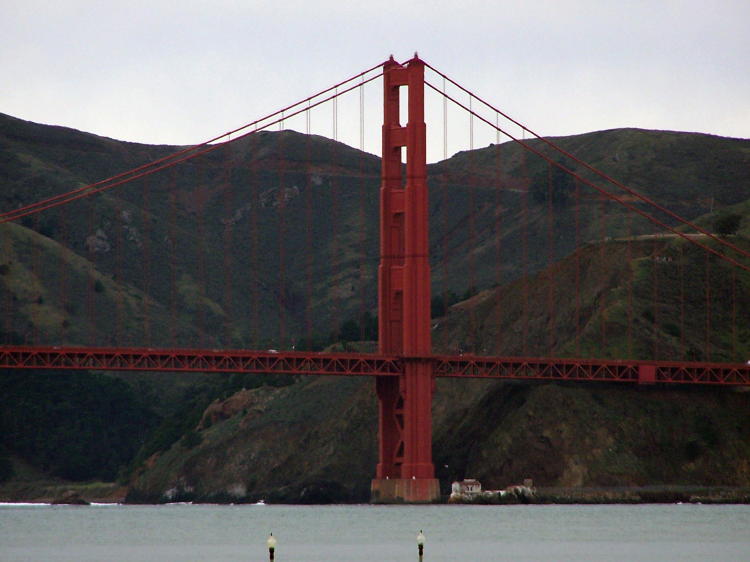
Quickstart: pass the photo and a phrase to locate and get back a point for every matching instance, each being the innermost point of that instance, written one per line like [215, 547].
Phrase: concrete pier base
[405, 490]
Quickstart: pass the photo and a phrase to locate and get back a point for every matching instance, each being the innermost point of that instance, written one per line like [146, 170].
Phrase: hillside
[245, 246]
[632, 298]
[275, 242]
[316, 440]
[211, 228]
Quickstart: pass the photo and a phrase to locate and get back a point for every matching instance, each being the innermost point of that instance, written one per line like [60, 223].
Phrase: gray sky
[180, 72]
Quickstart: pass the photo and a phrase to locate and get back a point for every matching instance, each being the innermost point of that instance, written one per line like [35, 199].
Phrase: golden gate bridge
[404, 366]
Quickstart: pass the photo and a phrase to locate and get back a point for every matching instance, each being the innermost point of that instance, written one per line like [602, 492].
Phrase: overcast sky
[179, 72]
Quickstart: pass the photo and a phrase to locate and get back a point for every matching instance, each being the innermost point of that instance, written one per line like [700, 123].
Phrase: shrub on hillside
[727, 225]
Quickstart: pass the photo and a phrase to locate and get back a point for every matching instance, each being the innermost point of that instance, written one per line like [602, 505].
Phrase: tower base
[405, 490]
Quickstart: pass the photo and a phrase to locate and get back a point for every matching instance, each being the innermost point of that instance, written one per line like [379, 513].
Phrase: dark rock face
[312, 442]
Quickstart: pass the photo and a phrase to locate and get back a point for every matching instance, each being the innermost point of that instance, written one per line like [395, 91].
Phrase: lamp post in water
[271, 544]
[420, 544]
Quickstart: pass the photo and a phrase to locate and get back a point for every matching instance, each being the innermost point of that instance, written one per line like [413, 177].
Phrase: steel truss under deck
[351, 364]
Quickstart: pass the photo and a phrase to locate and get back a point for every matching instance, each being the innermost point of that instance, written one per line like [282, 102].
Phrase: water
[375, 533]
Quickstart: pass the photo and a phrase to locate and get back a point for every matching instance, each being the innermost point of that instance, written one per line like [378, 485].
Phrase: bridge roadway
[357, 364]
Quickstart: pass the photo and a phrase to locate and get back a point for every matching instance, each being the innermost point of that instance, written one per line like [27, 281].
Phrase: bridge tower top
[404, 276]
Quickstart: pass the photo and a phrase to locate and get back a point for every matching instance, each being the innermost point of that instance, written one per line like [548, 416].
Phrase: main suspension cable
[590, 168]
[604, 192]
[190, 152]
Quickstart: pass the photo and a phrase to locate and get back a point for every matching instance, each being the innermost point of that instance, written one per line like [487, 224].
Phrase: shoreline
[56, 492]
[655, 494]
[50, 493]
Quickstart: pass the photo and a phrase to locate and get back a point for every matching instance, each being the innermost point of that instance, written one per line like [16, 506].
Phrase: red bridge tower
[405, 471]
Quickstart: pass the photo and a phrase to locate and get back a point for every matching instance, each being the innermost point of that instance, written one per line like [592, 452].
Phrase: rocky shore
[644, 494]
[618, 495]
[60, 492]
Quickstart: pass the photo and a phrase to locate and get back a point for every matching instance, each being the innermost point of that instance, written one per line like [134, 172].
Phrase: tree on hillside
[441, 302]
[726, 225]
[366, 329]
[76, 425]
[556, 185]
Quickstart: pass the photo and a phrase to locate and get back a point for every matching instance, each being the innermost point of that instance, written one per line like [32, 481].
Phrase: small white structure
[467, 487]
[470, 491]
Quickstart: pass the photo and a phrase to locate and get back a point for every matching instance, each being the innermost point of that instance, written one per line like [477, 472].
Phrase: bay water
[353, 533]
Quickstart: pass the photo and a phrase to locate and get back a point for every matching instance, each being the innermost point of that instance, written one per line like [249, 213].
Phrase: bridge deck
[353, 364]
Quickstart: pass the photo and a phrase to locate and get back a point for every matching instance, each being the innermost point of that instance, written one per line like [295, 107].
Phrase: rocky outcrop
[316, 441]
[98, 243]
[250, 403]
[310, 442]
[70, 497]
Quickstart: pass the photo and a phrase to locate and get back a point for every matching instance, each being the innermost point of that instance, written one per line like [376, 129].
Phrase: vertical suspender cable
[551, 277]
[707, 351]
[471, 250]
[281, 216]
[281, 213]
[362, 216]
[334, 260]
[6, 246]
[307, 117]
[93, 335]
[578, 250]
[734, 314]
[446, 215]
[445, 124]
[229, 222]
[119, 224]
[200, 246]
[336, 115]
[281, 233]
[173, 249]
[630, 285]
[682, 300]
[64, 275]
[362, 115]
[525, 252]
[603, 274]
[442, 265]
[254, 262]
[471, 124]
[655, 297]
[309, 231]
[146, 267]
[36, 259]
[498, 228]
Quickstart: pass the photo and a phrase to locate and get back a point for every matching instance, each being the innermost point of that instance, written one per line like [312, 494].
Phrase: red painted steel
[390, 296]
[197, 360]
[404, 406]
[639, 372]
[384, 367]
